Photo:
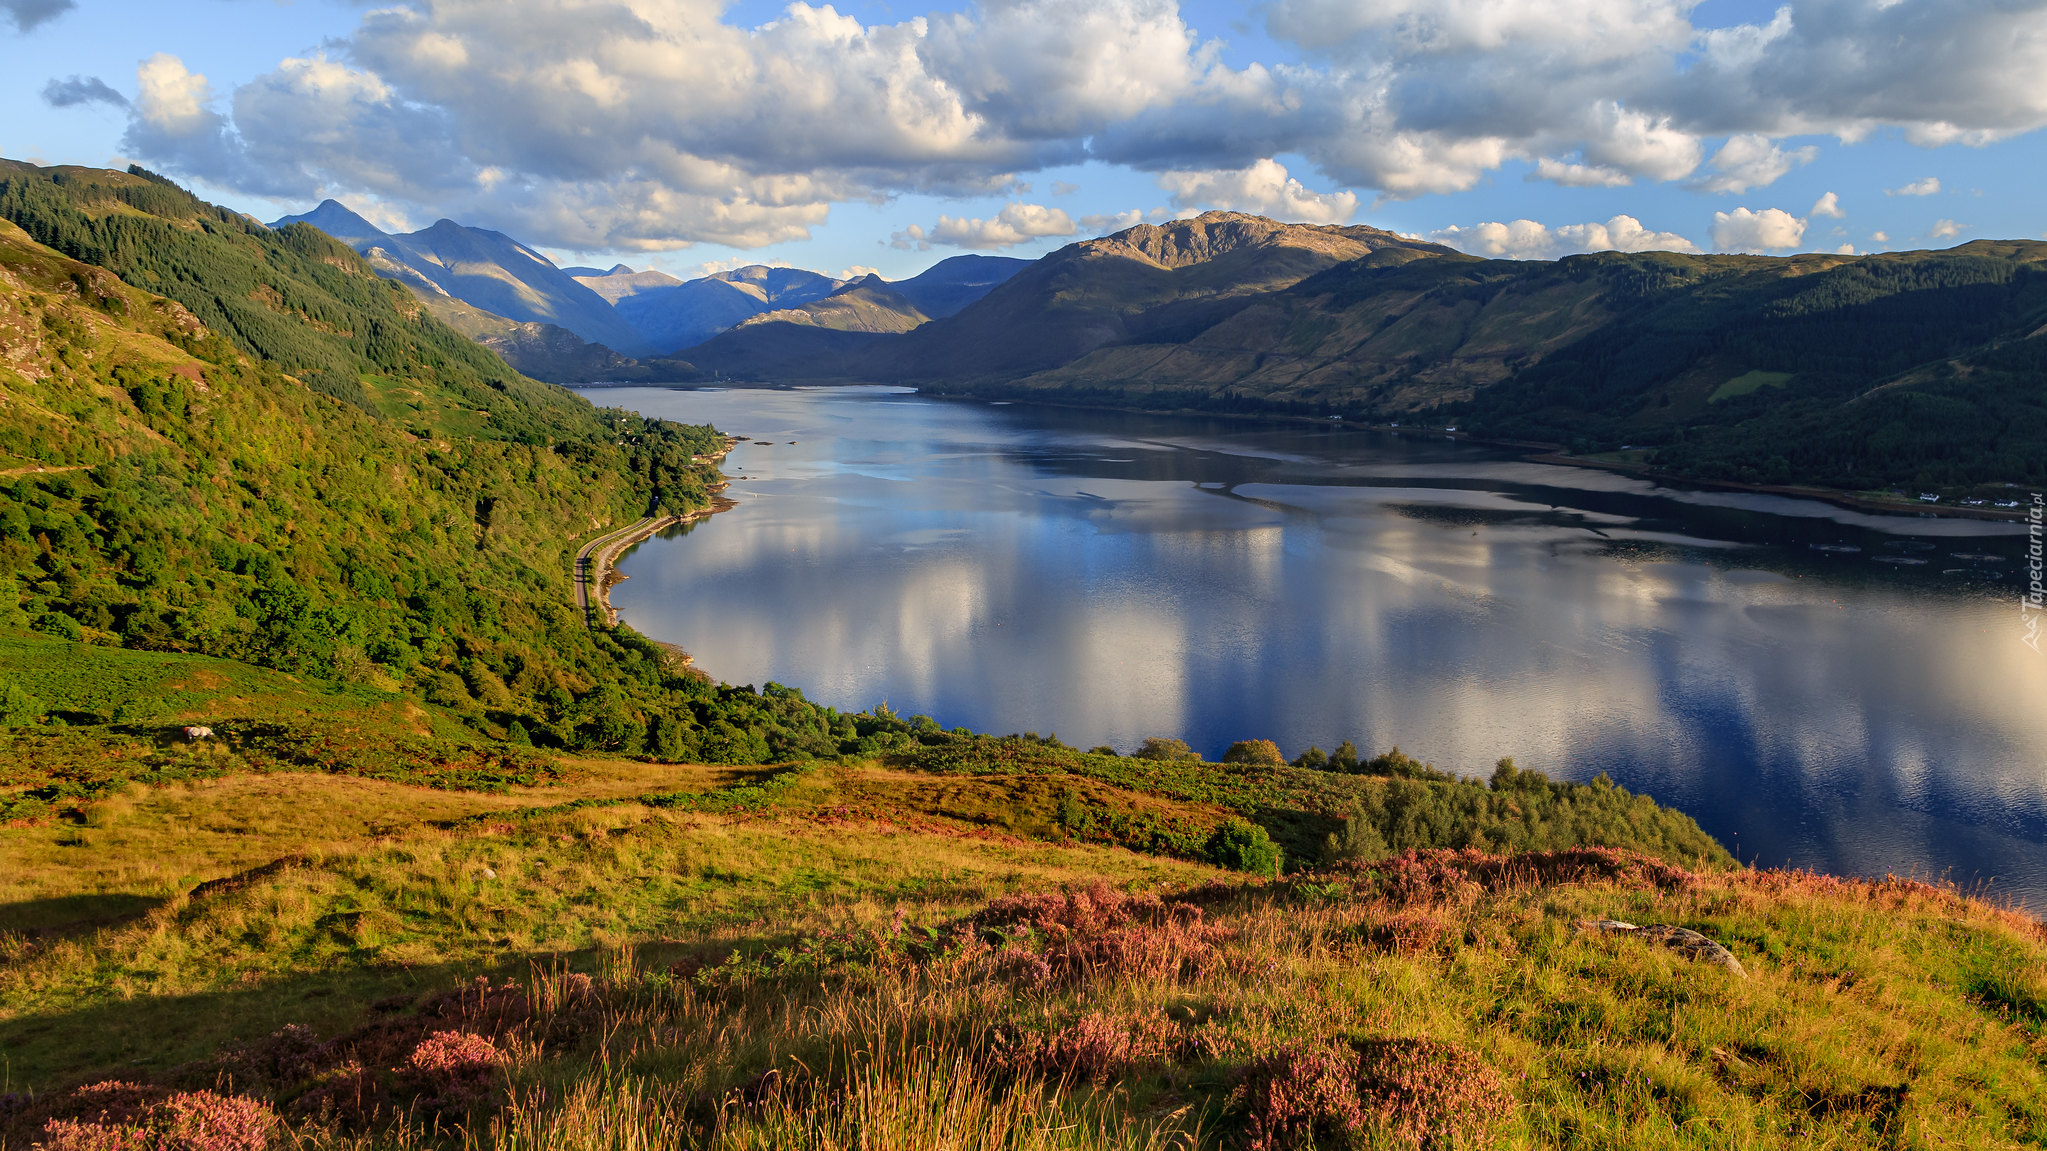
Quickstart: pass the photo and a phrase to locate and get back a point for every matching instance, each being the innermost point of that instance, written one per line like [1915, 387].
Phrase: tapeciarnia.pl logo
[2034, 602]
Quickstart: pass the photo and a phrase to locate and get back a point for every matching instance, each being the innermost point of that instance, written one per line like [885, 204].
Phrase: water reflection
[1109, 577]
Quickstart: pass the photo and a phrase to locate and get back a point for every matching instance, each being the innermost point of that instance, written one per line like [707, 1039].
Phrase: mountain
[869, 304]
[1145, 283]
[1855, 372]
[487, 269]
[668, 313]
[951, 284]
[546, 352]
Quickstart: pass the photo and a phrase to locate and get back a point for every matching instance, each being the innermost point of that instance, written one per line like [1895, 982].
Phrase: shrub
[1300, 1096]
[1428, 1092]
[447, 1055]
[17, 707]
[1407, 934]
[128, 1120]
[1172, 750]
[1096, 933]
[1243, 846]
[1098, 1047]
[1255, 752]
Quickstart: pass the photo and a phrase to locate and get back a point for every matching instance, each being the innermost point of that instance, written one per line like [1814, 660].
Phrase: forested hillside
[283, 460]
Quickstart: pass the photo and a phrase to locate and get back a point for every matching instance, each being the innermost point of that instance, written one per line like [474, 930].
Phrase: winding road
[593, 560]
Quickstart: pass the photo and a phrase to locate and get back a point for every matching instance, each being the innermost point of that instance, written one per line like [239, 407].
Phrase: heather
[1088, 1006]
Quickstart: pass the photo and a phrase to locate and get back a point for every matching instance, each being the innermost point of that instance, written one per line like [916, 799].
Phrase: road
[587, 573]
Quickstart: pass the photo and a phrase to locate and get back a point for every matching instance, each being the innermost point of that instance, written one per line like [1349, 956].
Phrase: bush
[1255, 752]
[1171, 750]
[17, 707]
[1243, 846]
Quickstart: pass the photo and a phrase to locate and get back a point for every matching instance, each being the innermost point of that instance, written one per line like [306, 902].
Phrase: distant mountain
[1137, 285]
[668, 313]
[547, 352]
[951, 284]
[869, 304]
[489, 270]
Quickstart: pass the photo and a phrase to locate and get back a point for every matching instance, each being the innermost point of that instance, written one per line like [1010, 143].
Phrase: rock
[1683, 940]
[195, 734]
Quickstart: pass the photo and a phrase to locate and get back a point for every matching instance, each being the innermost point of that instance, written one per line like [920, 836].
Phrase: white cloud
[1103, 224]
[856, 272]
[1579, 175]
[1015, 224]
[1880, 237]
[1529, 240]
[734, 263]
[1945, 230]
[1263, 188]
[1062, 188]
[1930, 186]
[1845, 250]
[1752, 161]
[1828, 205]
[652, 124]
[1770, 230]
[172, 98]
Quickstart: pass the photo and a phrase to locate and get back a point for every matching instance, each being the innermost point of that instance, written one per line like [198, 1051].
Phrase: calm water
[1109, 577]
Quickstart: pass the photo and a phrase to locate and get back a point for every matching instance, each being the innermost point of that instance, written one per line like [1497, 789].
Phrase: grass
[1747, 383]
[852, 955]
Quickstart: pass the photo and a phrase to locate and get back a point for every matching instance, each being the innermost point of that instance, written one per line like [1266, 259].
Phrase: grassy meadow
[865, 953]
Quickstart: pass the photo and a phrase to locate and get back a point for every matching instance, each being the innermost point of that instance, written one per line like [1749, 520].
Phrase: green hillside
[285, 461]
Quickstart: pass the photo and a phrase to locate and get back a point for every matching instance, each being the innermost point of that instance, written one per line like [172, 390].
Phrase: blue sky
[682, 134]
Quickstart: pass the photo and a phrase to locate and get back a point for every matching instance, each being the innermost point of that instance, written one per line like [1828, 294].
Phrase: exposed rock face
[1682, 940]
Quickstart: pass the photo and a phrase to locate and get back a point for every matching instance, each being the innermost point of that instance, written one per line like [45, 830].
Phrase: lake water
[1108, 577]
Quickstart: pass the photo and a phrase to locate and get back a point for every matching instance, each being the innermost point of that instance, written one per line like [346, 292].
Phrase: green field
[1748, 382]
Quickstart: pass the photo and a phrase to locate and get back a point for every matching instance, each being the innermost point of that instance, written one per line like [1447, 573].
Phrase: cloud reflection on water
[992, 568]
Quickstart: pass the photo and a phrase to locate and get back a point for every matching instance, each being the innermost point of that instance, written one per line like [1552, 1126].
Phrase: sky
[694, 136]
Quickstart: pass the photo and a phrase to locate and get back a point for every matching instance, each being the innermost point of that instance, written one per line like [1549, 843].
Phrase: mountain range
[1853, 372]
[589, 324]
[1849, 371]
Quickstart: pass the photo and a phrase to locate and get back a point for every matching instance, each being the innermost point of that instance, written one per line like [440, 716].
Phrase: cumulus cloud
[1579, 175]
[1930, 186]
[1016, 224]
[1752, 161]
[1828, 205]
[1529, 240]
[1101, 224]
[27, 14]
[76, 90]
[1263, 188]
[650, 124]
[1945, 230]
[1770, 230]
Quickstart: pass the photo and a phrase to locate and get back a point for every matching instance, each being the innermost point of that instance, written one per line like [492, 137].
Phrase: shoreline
[604, 574]
[595, 571]
[1542, 453]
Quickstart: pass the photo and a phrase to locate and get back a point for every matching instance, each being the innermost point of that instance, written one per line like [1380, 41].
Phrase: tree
[1243, 846]
[1171, 750]
[1254, 753]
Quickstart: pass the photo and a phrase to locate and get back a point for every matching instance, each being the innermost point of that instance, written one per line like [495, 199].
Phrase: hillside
[290, 464]
[887, 954]
[541, 351]
[486, 269]
[948, 286]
